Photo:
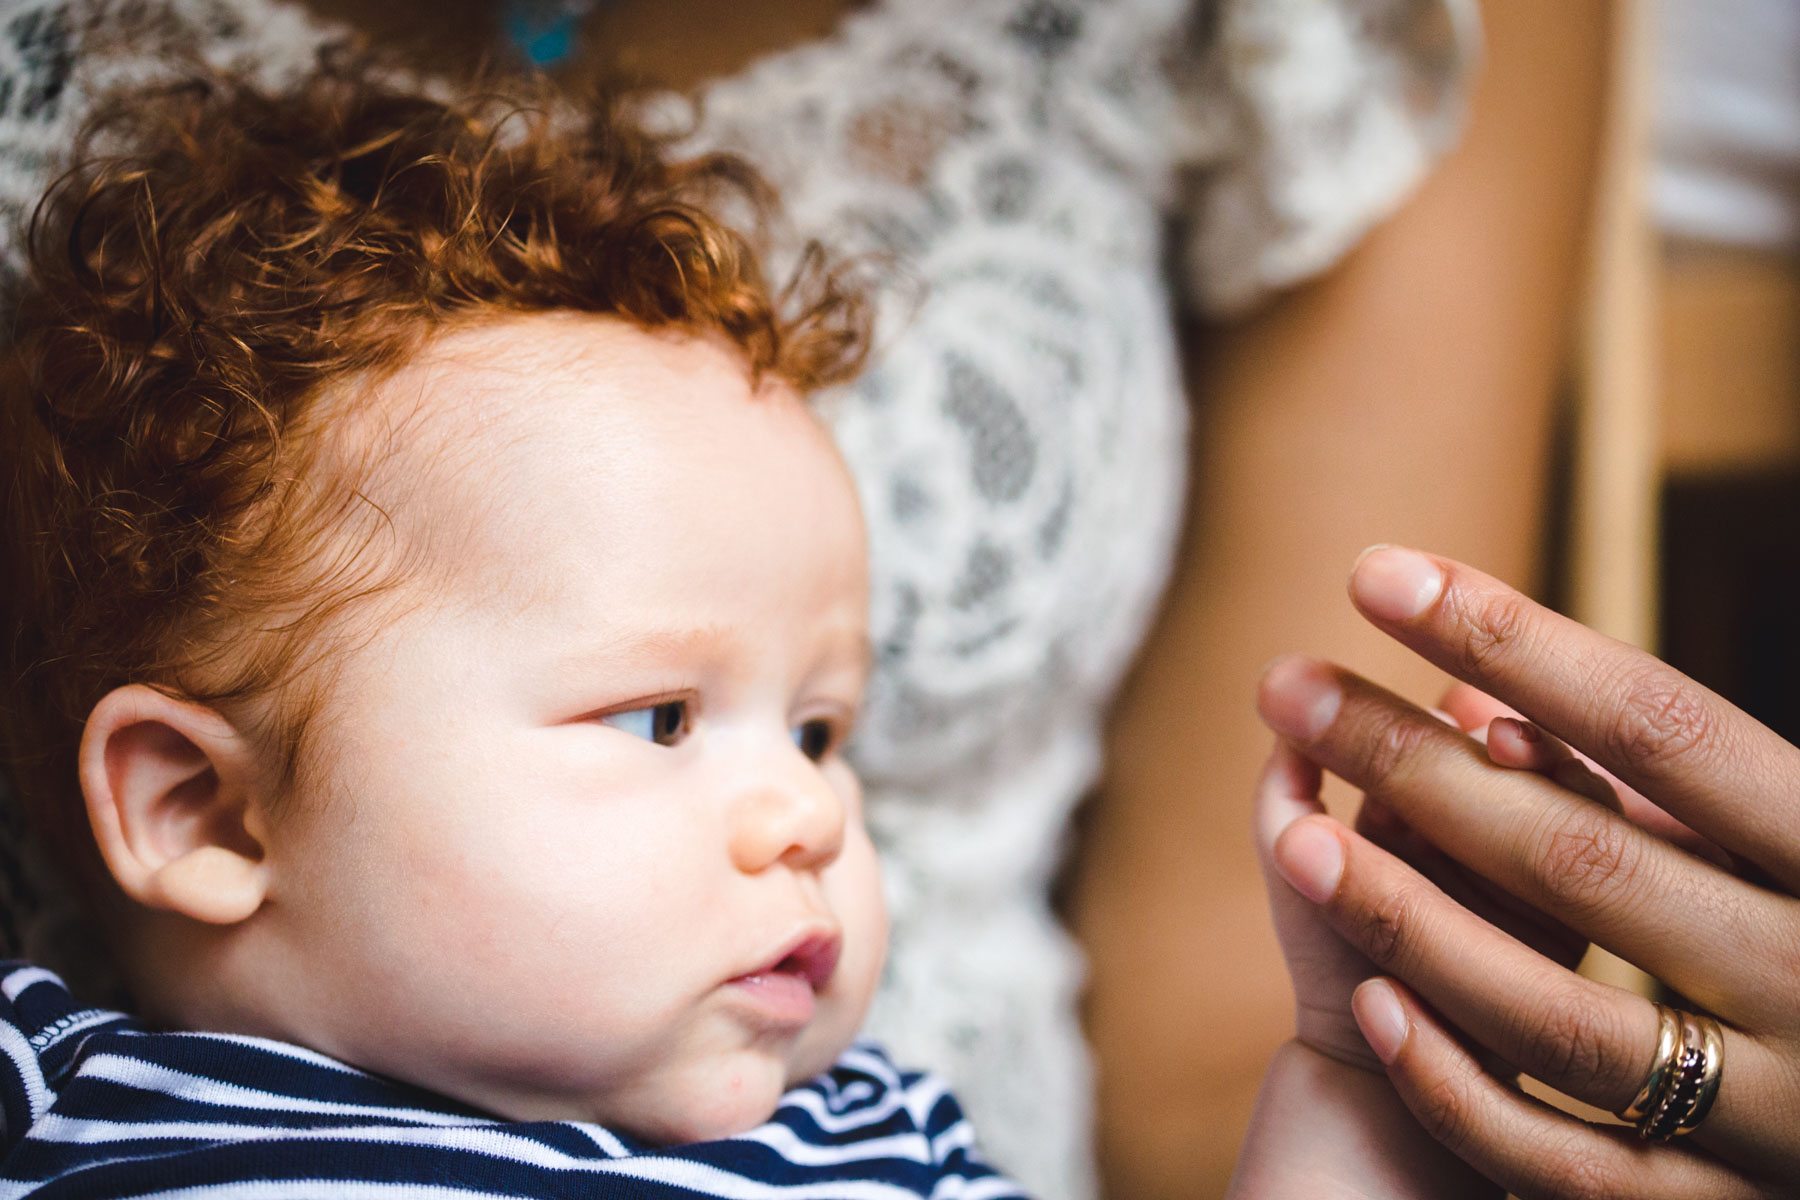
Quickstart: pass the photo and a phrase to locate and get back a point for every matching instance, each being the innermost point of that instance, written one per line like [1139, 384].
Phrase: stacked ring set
[1684, 1076]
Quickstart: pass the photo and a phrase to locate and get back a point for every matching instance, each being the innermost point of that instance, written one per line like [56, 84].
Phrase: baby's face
[576, 838]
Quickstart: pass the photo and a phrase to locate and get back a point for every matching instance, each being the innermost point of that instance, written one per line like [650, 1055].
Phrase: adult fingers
[1480, 896]
[1470, 708]
[1695, 754]
[1586, 1039]
[1517, 744]
[1581, 1037]
[1692, 925]
[1531, 1149]
[1520, 745]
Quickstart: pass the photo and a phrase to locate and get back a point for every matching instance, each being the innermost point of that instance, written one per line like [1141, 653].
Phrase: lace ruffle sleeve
[1304, 123]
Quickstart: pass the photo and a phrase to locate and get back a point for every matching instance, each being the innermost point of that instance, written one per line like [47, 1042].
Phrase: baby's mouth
[784, 990]
[812, 959]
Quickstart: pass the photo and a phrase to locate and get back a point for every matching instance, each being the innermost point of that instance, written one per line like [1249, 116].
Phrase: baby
[435, 618]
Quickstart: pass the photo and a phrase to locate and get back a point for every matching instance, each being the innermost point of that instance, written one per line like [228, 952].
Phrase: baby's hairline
[347, 444]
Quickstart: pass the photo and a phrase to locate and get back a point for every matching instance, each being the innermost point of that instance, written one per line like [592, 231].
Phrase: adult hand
[1325, 969]
[1724, 930]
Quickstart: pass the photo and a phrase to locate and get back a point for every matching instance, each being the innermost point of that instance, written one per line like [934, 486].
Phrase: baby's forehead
[506, 387]
[531, 423]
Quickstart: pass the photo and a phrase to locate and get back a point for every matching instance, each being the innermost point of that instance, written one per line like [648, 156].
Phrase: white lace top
[1019, 441]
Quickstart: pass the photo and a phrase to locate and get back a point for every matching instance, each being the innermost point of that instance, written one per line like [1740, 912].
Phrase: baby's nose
[791, 815]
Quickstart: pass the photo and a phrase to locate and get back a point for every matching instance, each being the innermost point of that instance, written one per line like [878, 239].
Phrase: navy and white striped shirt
[94, 1105]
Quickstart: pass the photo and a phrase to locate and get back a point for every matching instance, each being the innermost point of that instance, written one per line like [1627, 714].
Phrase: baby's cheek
[853, 886]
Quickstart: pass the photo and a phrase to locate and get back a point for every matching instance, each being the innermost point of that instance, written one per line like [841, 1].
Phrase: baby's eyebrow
[687, 643]
[672, 645]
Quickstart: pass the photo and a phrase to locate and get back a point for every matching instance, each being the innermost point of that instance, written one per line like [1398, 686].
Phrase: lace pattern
[56, 56]
[1333, 109]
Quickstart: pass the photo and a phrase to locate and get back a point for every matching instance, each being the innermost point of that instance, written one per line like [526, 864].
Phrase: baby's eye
[815, 738]
[665, 723]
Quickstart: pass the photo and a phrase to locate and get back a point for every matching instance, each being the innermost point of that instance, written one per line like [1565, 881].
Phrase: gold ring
[1713, 1042]
[1684, 1076]
[1668, 1045]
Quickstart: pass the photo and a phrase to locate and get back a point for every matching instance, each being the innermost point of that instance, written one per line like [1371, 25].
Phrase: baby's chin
[694, 1102]
[732, 1099]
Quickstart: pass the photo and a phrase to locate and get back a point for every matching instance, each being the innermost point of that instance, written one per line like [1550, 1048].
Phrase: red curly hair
[219, 256]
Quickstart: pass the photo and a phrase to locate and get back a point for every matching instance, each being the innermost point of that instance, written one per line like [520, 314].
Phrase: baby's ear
[171, 795]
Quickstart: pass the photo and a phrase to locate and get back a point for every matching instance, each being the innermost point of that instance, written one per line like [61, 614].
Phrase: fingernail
[1380, 1017]
[1311, 859]
[1392, 583]
[1298, 697]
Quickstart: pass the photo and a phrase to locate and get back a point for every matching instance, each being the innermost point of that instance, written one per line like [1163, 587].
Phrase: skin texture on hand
[1721, 928]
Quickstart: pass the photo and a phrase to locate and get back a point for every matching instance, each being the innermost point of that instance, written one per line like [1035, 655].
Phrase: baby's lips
[814, 959]
[809, 956]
